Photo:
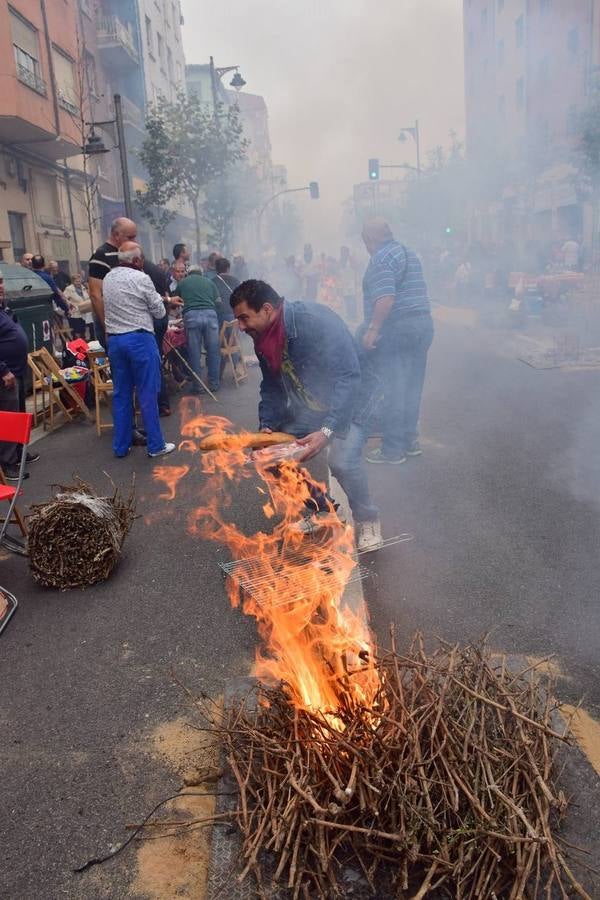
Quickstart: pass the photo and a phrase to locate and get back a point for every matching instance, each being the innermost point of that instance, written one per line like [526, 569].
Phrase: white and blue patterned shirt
[130, 301]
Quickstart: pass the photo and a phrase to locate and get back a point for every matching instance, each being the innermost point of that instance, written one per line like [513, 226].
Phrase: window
[500, 53]
[175, 16]
[572, 121]
[16, 225]
[500, 6]
[170, 63]
[544, 5]
[484, 18]
[520, 93]
[27, 53]
[501, 105]
[520, 31]
[179, 72]
[471, 39]
[149, 41]
[544, 68]
[46, 199]
[64, 73]
[161, 50]
[573, 42]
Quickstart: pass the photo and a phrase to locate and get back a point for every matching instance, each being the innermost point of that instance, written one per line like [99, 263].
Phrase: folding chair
[8, 605]
[62, 329]
[49, 368]
[230, 347]
[15, 427]
[101, 383]
[41, 386]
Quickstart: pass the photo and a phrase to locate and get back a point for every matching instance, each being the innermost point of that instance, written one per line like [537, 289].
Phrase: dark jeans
[347, 465]
[402, 361]
[160, 329]
[345, 459]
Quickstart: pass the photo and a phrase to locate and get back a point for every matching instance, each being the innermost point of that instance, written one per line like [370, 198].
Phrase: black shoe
[32, 457]
[11, 473]
[139, 439]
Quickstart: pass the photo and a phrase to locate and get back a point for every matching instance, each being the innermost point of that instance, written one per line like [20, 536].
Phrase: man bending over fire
[311, 380]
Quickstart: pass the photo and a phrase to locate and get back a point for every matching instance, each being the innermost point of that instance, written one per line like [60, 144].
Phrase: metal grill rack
[252, 575]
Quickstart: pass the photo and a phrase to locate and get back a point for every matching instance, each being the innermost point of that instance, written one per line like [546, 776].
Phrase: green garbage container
[29, 299]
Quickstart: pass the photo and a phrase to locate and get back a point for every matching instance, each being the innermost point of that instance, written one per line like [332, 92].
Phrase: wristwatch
[328, 432]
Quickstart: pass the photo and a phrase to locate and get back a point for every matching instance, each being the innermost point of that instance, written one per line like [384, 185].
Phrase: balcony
[26, 76]
[67, 104]
[116, 43]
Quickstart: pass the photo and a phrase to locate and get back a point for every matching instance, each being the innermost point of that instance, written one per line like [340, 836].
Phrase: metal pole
[270, 200]
[123, 155]
[213, 84]
[418, 143]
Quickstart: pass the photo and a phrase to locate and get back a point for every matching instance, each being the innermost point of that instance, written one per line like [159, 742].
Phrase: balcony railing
[26, 76]
[111, 31]
[67, 105]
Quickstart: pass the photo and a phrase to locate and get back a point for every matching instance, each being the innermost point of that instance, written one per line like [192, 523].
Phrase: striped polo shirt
[396, 271]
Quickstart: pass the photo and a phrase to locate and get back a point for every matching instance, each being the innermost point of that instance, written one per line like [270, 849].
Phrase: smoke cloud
[340, 78]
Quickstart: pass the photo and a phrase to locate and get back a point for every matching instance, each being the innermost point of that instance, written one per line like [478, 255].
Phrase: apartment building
[162, 49]
[528, 65]
[42, 208]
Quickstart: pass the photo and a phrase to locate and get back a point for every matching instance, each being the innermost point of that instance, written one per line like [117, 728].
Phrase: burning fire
[294, 585]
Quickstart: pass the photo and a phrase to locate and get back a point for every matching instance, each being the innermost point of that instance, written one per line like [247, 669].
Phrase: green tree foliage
[228, 199]
[187, 147]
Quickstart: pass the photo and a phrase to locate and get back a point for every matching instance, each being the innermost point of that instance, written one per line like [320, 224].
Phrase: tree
[186, 148]
[230, 200]
[588, 180]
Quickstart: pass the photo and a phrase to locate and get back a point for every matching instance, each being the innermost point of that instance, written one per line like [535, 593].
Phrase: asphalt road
[504, 507]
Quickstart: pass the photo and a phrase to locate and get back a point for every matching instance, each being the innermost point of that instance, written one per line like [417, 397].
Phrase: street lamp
[413, 131]
[237, 82]
[94, 146]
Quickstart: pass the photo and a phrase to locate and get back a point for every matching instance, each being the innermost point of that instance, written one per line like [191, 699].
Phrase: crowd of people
[328, 387]
[472, 273]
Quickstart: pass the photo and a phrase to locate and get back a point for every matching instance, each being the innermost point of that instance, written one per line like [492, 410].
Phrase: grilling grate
[251, 575]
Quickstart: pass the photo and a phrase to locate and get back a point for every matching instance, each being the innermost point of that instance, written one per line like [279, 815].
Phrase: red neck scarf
[271, 343]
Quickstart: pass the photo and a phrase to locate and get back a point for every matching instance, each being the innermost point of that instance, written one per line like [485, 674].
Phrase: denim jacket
[323, 355]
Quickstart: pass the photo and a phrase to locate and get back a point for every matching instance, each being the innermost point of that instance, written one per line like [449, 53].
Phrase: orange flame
[292, 584]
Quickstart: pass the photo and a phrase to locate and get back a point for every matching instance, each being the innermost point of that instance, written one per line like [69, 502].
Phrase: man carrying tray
[311, 380]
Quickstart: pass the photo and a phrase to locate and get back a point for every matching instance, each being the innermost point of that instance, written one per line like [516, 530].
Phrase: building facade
[42, 203]
[528, 65]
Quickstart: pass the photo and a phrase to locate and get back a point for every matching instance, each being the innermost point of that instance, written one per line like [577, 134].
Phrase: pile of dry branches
[444, 787]
[75, 540]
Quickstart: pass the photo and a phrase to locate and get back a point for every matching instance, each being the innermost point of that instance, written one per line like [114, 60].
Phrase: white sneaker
[168, 448]
[368, 535]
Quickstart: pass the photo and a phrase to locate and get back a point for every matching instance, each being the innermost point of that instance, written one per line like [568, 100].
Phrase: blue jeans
[402, 360]
[347, 465]
[202, 327]
[345, 458]
[135, 364]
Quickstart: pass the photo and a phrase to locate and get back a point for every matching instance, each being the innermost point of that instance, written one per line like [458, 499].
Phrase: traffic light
[374, 169]
[314, 190]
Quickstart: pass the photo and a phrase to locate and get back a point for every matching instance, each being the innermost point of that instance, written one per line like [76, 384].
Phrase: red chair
[15, 427]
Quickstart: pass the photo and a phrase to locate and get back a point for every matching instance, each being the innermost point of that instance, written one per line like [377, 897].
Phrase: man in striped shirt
[397, 335]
